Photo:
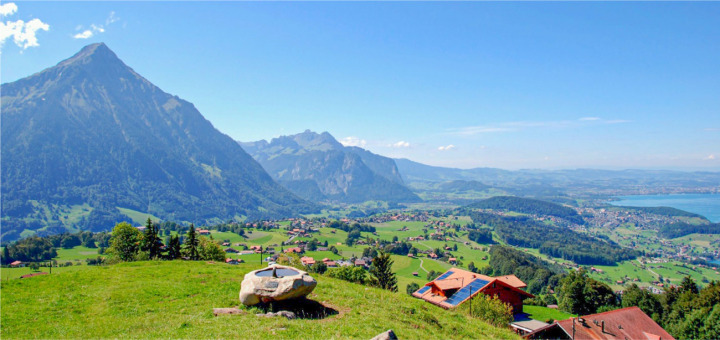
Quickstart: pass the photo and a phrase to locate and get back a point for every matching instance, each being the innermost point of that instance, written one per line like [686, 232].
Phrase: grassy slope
[175, 300]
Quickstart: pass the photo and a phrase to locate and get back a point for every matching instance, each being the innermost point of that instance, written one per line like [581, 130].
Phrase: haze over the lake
[508, 85]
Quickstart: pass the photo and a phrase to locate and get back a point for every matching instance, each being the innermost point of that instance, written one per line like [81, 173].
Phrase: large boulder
[275, 283]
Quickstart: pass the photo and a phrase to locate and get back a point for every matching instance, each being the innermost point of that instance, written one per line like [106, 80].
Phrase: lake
[707, 205]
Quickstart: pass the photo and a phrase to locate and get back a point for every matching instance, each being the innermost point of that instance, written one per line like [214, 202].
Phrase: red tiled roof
[460, 278]
[448, 284]
[625, 323]
[512, 280]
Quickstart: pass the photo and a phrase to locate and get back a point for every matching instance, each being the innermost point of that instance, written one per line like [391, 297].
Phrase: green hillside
[175, 300]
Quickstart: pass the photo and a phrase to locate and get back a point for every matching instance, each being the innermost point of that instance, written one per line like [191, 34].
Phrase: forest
[528, 206]
[681, 229]
[664, 211]
[555, 241]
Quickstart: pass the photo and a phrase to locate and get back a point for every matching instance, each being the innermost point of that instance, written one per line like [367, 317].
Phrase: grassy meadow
[174, 299]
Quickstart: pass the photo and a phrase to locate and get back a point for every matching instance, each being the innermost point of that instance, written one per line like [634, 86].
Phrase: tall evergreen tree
[174, 248]
[151, 240]
[191, 244]
[381, 274]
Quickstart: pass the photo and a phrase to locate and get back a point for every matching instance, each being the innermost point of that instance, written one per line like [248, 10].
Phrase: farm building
[625, 323]
[456, 286]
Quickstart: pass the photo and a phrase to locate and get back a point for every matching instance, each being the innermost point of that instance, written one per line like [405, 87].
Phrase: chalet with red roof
[330, 263]
[307, 261]
[625, 323]
[296, 250]
[203, 232]
[456, 286]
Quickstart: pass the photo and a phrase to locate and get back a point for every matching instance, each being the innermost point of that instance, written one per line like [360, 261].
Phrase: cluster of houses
[601, 217]
[457, 286]
[362, 262]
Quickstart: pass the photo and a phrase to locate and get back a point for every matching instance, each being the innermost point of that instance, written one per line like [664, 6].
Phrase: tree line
[555, 241]
[681, 229]
[130, 244]
[528, 206]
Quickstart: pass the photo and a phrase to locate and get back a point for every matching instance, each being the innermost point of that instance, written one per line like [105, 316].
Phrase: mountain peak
[314, 141]
[98, 52]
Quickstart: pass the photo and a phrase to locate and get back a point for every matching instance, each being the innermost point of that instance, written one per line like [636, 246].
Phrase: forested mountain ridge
[528, 206]
[317, 167]
[91, 131]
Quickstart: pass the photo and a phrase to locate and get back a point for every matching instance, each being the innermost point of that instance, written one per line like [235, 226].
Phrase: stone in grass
[275, 283]
[389, 335]
[288, 314]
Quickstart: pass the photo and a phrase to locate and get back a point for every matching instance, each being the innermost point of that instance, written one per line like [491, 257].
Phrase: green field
[76, 254]
[138, 218]
[546, 314]
[174, 299]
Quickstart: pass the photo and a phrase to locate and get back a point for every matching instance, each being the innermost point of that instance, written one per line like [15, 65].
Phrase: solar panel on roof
[466, 291]
[443, 276]
[423, 290]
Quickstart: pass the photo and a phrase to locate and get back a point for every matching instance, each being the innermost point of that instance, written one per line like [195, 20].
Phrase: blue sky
[462, 84]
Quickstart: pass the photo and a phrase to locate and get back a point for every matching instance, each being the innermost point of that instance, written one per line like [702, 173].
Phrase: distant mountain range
[89, 142]
[554, 182]
[317, 167]
[90, 135]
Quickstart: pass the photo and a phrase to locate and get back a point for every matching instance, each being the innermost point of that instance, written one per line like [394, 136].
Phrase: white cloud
[8, 9]
[89, 33]
[353, 141]
[524, 125]
[446, 148]
[401, 144]
[23, 33]
[83, 35]
[111, 18]
[710, 158]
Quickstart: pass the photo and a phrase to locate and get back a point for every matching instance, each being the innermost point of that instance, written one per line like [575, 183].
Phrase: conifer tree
[174, 248]
[151, 240]
[191, 244]
[381, 274]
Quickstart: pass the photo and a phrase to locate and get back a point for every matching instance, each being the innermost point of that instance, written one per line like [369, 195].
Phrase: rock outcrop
[275, 283]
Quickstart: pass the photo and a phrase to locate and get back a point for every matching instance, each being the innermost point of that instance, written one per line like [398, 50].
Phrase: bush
[319, 267]
[349, 273]
[290, 259]
[411, 288]
[489, 309]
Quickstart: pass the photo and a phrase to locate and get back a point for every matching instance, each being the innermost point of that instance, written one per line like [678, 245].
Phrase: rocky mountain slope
[90, 132]
[317, 167]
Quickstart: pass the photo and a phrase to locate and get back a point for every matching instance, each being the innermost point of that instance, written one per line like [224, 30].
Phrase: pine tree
[174, 248]
[151, 240]
[191, 244]
[381, 274]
